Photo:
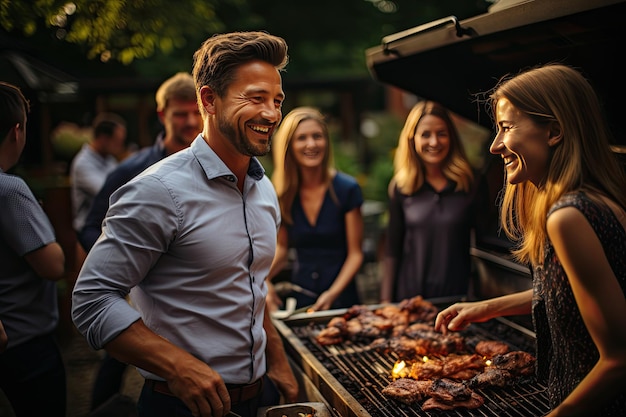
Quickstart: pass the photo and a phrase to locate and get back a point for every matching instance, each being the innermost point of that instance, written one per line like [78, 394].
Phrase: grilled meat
[405, 348]
[491, 348]
[447, 395]
[474, 401]
[360, 323]
[458, 367]
[397, 316]
[517, 362]
[430, 369]
[419, 309]
[491, 377]
[444, 389]
[407, 390]
[456, 363]
[329, 336]
[435, 343]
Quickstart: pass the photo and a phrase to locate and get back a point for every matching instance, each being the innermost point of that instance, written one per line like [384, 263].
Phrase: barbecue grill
[350, 376]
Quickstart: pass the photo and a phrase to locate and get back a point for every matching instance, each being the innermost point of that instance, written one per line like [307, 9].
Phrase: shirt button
[315, 275]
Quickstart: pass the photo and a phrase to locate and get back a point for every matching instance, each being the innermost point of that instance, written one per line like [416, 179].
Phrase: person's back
[32, 374]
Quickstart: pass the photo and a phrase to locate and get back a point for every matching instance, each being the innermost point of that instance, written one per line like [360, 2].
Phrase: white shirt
[88, 172]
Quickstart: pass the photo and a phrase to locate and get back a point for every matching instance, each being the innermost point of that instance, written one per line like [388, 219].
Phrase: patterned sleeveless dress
[556, 316]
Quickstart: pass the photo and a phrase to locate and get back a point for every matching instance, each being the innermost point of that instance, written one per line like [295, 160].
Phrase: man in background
[177, 109]
[93, 162]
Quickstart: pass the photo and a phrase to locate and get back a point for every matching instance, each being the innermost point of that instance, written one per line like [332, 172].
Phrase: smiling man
[194, 237]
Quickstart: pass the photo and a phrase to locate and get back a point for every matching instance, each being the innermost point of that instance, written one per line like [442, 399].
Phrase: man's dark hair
[13, 108]
[105, 124]
[218, 57]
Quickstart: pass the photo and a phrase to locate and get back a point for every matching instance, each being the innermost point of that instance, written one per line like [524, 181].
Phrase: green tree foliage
[120, 30]
[327, 38]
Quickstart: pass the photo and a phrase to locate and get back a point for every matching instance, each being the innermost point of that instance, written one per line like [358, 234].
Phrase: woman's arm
[602, 305]
[460, 315]
[350, 267]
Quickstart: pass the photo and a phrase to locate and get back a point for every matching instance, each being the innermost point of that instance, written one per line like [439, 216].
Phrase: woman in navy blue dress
[321, 214]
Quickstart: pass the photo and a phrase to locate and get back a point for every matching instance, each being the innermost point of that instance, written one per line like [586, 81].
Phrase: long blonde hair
[286, 176]
[408, 167]
[581, 161]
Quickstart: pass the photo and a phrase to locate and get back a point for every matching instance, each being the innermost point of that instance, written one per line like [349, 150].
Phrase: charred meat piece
[419, 309]
[407, 390]
[397, 316]
[430, 369]
[463, 374]
[456, 363]
[356, 310]
[460, 367]
[491, 348]
[491, 377]
[433, 342]
[329, 336]
[517, 362]
[447, 390]
[405, 348]
[475, 401]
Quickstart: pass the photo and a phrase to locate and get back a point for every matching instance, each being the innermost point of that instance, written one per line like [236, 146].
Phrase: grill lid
[449, 61]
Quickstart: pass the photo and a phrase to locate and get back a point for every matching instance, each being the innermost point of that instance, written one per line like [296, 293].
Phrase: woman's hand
[323, 302]
[460, 315]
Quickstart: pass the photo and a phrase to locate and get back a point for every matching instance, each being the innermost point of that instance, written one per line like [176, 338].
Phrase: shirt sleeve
[25, 226]
[349, 191]
[141, 223]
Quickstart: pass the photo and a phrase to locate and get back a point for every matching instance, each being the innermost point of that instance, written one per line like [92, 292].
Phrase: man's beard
[240, 141]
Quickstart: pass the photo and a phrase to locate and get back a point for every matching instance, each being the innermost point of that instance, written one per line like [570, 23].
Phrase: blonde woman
[321, 214]
[431, 210]
[565, 205]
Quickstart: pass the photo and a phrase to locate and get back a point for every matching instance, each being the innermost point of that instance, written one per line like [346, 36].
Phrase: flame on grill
[400, 370]
[403, 370]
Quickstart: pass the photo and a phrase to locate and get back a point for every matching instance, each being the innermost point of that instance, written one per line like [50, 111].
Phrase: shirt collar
[214, 167]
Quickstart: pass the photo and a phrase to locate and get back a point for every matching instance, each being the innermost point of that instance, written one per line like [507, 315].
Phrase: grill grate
[363, 373]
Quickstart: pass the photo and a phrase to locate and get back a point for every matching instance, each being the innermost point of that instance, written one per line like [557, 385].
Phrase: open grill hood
[450, 61]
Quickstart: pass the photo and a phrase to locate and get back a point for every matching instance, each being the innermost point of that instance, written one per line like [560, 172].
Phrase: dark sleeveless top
[565, 351]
